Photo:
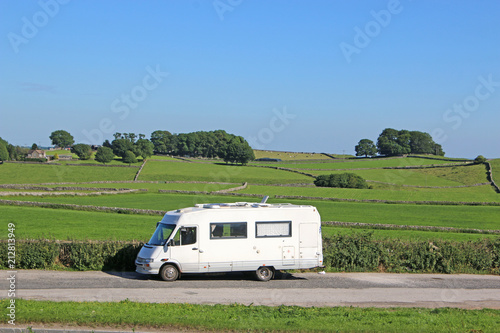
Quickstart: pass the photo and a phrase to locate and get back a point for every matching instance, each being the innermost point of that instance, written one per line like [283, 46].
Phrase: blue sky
[286, 75]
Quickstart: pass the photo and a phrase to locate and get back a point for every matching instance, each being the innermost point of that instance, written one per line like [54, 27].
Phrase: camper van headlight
[144, 260]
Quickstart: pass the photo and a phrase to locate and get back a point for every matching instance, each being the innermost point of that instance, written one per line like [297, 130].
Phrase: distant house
[36, 154]
[65, 157]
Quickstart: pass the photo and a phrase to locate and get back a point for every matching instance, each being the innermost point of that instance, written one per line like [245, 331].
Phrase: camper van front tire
[169, 273]
[264, 273]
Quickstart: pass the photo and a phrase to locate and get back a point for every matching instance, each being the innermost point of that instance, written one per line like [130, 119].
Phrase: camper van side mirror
[171, 242]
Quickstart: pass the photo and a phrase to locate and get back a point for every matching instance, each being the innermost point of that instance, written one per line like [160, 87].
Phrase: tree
[239, 151]
[392, 142]
[107, 144]
[82, 150]
[34, 146]
[4, 153]
[342, 180]
[144, 148]
[121, 146]
[421, 143]
[104, 155]
[480, 159]
[129, 157]
[365, 147]
[61, 138]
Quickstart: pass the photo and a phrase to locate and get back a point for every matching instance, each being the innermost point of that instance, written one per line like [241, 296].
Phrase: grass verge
[127, 314]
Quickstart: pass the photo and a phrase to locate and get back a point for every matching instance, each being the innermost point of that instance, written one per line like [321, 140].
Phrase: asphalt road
[304, 289]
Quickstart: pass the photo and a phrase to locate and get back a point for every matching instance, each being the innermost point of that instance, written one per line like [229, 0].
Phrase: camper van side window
[273, 229]
[185, 236]
[225, 230]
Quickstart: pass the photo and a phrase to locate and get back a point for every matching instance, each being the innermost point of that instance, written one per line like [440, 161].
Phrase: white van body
[234, 237]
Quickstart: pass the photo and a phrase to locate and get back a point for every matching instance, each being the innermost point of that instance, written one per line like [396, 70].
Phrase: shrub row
[44, 254]
[357, 252]
[360, 253]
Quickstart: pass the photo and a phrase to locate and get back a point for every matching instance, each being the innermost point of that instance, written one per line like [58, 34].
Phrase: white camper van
[233, 237]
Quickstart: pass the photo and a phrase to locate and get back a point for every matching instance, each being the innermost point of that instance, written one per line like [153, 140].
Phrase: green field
[34, 222]
[64, 224]
[359, 163]
[167, 171]
[17, 173]
[398, 177]
[484, 193]
[407, 235]
[155, 186]
[287, 156]
[480, 217]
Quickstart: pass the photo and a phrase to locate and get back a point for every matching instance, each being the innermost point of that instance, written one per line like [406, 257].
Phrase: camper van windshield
[163, 231]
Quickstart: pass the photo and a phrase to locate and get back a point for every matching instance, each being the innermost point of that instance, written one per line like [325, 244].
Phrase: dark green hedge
[357, 252]
[360, 253]
[42, 254]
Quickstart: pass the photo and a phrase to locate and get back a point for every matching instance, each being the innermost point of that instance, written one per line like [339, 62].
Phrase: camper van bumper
[147, 268]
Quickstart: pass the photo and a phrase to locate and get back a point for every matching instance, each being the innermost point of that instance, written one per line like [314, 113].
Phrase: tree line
[393, 142]
[129, 146]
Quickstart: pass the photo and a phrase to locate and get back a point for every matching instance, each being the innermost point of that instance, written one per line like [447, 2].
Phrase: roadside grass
[16, 173]
[484, 193]
[168, 171]
[477, 217]
[62, 224]
[286, 156]
[406, 235]
[242, 318]
[359, 163]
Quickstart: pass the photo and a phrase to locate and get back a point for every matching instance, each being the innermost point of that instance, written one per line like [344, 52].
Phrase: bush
[480, 159]
[342, 180]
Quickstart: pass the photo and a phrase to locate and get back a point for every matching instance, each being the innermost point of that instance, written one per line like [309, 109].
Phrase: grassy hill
[425, 184]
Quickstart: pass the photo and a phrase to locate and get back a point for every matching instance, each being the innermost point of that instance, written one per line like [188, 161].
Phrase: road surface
[303, 289]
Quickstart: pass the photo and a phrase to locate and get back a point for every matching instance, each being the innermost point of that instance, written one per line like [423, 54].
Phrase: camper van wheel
[169, 273]
[264, 273]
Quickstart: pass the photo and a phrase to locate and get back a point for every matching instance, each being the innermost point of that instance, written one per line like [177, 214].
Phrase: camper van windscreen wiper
[162, 233]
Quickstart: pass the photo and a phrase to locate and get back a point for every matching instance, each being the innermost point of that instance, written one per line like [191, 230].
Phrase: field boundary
[447, 165]
[119, 210]
[408, 227]
[489, 172]
[75, 194]
[419, 186]
[140, 169]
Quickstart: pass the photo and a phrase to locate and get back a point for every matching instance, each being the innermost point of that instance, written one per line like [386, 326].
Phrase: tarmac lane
[303, 289]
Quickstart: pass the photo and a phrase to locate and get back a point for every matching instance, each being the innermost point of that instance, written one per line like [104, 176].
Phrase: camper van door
[184, 248]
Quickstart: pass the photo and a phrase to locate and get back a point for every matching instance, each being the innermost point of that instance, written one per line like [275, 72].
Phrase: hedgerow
[356, 252]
